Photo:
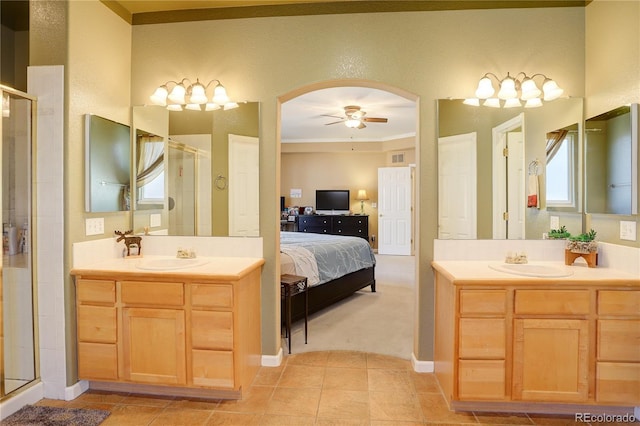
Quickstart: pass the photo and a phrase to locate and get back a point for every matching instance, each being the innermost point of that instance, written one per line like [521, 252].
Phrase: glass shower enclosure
[18, 306]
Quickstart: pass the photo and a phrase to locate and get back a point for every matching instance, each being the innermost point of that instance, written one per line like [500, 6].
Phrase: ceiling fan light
[352, 123]
[533, 103]
[472, 101]
[512, 103]
[507, 88]
[159, 96]
[492, 103]
[485, 88]
[220, 95]
[551, 90]
[198, 95]
[529, 89]
[177, 94]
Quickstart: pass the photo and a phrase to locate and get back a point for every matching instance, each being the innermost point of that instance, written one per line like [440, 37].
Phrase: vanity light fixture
[513, 91]
[183, 94]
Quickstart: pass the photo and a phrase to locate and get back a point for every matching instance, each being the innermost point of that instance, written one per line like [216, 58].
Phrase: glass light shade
[485, 88]
[529, 89]
[362, 195]
[198, 95]
[472, 101]
[512, 103]
[551, 90]
[220, 95]
[492, 103]
[193, 107]
[177, 94]
[230, 105]
[533, 103]
[210, 106]
[174, 107]
[508, 89]
[352, 123]
[159, 97]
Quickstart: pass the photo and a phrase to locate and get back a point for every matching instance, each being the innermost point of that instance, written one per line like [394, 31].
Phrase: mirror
[107, 165]
[611, 162]
[207, 182]
[489, 129]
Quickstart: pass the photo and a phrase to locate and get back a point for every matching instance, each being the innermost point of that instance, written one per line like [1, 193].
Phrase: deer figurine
[129, 241]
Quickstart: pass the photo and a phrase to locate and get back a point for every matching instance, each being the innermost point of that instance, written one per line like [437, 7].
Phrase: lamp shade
[177, 94]
[485, 88]
[362, 195]
[220, 95]
[472, 101]
[551, 90]
[198, 95]
[492, 102]
[512, 103]
[159, 97]
[352, 123]
[533, 103]
[529, 89]
[508, 88]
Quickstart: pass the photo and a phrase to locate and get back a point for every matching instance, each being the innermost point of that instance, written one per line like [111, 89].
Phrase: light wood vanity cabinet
[525, 341]
[196, 335]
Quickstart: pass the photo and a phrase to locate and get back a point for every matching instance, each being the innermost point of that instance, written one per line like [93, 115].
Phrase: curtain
[150, 155]
[554, 140]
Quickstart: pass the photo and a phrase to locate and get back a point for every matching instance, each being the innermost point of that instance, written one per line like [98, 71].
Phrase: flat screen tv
[332, 201]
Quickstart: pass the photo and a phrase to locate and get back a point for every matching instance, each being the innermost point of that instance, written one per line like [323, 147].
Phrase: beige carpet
[380, 322]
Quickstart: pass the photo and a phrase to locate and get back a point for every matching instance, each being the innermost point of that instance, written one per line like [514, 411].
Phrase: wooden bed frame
[323, 295]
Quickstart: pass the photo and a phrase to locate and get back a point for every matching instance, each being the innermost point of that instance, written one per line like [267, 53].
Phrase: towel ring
[533, 167]
[220, 182]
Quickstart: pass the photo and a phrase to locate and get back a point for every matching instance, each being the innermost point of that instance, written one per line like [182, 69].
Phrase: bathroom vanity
[157, 325]
[506, 342]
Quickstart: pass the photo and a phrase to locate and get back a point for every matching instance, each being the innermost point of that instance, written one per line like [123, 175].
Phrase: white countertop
[480, 271]
[205, 267]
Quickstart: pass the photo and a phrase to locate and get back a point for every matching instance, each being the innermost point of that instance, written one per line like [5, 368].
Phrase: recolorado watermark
[604, 418]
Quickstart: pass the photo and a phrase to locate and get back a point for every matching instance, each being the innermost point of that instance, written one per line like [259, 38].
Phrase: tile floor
[314, 388]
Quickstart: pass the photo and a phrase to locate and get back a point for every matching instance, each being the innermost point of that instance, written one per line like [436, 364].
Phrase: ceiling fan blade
[335, 122]
[333, 116]
[361, 126]
[375, 119]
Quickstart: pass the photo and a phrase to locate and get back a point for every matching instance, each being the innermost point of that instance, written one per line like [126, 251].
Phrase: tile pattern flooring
[314, 388]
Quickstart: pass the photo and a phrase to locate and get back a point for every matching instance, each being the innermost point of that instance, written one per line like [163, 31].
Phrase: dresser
[352, 226]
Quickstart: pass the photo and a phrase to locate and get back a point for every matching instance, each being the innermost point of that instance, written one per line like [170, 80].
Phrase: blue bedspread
[336, 255]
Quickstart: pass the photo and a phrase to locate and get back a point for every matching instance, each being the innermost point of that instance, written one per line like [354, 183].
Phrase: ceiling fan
[354, 118]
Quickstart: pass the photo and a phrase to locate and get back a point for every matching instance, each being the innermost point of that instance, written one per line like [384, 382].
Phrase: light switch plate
[94, 226]
[155, 220]
[295, 193]
[627, 230]
[554, 222]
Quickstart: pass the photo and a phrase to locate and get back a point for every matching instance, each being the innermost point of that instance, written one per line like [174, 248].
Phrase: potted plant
[583, 243]
[559, 234]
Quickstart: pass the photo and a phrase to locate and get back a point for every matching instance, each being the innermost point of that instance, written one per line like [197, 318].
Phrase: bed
[335, 266]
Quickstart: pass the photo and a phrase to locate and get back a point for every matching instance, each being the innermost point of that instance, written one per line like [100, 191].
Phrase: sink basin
[532, 270]
[170, 263]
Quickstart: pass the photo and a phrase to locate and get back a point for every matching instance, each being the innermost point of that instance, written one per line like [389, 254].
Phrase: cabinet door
[550, 360]
[154, 346]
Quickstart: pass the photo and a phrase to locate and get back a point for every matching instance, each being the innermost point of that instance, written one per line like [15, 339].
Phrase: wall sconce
[362, 197]
[514, 90]
[191, 96]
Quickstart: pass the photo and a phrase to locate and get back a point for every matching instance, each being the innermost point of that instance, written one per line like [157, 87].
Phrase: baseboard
[421, 366]
[16, 402]
[72, 392]
[272, 360]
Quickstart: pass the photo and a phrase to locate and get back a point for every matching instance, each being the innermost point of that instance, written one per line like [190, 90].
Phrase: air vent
[397, 158]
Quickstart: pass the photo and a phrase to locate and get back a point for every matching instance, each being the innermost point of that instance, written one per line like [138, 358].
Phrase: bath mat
[40, 415]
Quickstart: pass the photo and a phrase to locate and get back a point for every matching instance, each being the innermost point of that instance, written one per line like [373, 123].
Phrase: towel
[533, 200]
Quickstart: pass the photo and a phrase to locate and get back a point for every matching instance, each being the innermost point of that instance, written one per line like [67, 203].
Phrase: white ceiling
[304, 119]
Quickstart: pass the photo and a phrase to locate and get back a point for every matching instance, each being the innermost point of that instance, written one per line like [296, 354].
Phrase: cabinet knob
[339, 231]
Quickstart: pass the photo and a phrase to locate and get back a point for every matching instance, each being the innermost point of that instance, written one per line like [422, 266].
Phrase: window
[153, 191]
[560, 174]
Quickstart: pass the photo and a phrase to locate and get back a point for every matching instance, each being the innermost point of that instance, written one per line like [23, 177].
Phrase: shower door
[18, 342]
[183, 202]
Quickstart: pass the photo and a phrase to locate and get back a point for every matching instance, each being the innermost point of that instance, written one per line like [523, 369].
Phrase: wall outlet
[94, 226]
[155, 220]
[554, 222]
[627, 230]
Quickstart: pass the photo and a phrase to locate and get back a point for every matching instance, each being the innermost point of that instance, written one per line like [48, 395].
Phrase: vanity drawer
[618, 383]
[96, 291]
[212, 330]
[97, 324]
[212, 368]
[481, 379]
[619, 340]
[619, 302]
[567, 302]
[211, 296]
[152, 293]
[97, 361]
[483, 302]
[482, 338]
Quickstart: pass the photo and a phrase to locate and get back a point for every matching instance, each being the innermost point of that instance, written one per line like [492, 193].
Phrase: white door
[508, 179]
[457, 187]
[395, 230]
[243, 186]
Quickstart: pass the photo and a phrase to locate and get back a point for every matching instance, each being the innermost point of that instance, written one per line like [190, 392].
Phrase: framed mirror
[107, 165]
[611, 162]
[210, 172]
[488, 130]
